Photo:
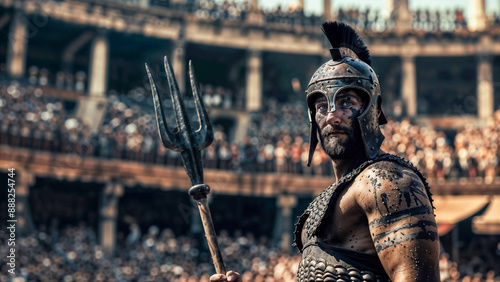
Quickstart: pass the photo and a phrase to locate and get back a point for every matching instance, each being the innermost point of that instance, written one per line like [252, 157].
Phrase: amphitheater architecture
[77, 122]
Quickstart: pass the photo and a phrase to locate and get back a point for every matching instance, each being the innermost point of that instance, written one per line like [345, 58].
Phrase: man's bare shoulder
[389, 187]
[401, 220]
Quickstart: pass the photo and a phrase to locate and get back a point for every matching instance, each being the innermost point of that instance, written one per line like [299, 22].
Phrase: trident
[189, 143]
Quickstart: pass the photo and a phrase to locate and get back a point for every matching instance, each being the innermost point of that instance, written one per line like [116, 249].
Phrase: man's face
[339, 130]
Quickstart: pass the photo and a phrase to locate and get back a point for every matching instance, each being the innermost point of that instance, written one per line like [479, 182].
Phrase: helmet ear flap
[313, 141]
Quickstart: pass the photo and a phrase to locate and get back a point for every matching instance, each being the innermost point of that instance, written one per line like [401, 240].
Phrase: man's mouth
[336, 133]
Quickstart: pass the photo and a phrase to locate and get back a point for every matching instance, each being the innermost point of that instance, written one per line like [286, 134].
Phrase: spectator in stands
[224, 156]
[248, 156]
[210, 157]
[460, 22]
[496, 19]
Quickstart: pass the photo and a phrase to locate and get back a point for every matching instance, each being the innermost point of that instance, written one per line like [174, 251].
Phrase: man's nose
[333, 117]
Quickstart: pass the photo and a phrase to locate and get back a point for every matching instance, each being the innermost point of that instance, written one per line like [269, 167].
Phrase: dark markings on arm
[393, 176]
[420, 235]
[400, 198]
[416, 191]
[399, 215]
[422, 224]
[407, 198]
[385, 200]
[373, 182]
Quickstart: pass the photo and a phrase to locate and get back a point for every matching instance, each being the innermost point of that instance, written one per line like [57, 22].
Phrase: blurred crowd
[426, 148]
[31, 119]
[277, 139]
[433, 21]
[473, 265]
[218, 10]
[477, 149]
[73, 254]
[293, 14]
[422, 19]
[219, 97]
[366, 19]
[73, 81]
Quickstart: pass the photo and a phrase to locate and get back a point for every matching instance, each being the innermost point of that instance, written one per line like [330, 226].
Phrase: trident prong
[185, 141]
[189, 143]
[205, 128]
[167, 138]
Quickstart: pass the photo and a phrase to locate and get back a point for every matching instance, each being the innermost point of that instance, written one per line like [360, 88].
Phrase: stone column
[478, 18]
[92, 107]
[179, 64]
[254, 81]
[327, 10]
[24, 180]
[255, 5]
[400, 13]
[255, 16]
[286, 203]
[485, 94]
[98, 72]
[409, 85]
[17, 46]
[108, 212]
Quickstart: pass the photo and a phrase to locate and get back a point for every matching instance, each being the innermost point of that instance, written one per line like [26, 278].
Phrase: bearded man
[376, 221]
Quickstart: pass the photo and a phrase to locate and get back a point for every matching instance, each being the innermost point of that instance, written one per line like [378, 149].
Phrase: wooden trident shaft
[189, 143]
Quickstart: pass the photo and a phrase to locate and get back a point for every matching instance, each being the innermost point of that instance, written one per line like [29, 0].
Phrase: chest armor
[324, 262]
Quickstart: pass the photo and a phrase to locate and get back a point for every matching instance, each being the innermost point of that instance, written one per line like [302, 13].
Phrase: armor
[324, 262]
[349, 68]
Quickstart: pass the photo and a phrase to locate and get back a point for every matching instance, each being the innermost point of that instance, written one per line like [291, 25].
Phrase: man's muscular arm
[401, 222]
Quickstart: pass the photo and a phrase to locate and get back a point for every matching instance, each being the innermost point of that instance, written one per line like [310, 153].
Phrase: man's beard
[341, 149]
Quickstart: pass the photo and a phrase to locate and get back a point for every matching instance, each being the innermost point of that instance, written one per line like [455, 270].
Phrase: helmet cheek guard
[313, 137]
[313, 126]
[369, 123]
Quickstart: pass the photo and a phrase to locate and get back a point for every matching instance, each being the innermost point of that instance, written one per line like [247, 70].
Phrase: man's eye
[321, 107]
[346, 103]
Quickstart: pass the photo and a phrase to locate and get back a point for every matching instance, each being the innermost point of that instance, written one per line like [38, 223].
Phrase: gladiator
[376, 221]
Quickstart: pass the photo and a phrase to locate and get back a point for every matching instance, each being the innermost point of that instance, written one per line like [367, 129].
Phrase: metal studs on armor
[311, 270]
[354, 274]
[367, 276]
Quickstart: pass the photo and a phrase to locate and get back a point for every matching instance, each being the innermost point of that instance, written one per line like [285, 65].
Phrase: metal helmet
[349, 68]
